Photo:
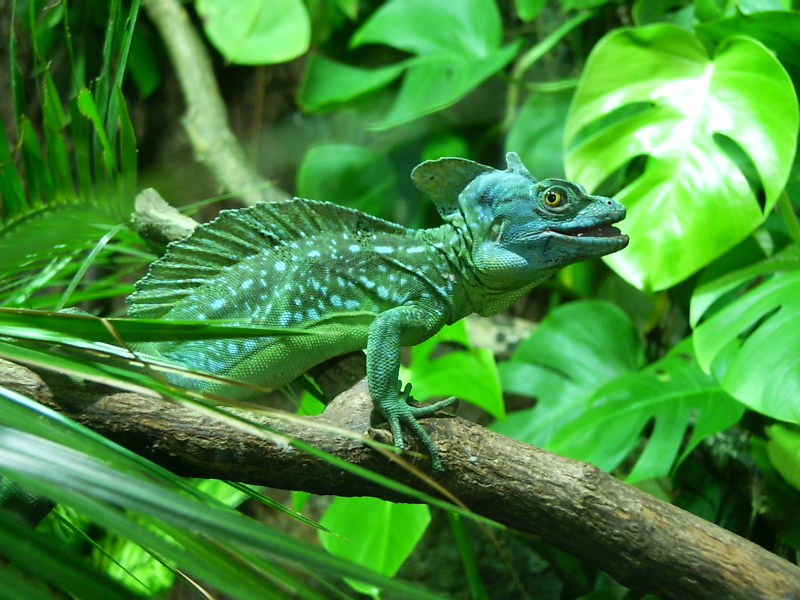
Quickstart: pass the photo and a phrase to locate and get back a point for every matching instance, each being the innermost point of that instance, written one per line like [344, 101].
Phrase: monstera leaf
[713, 129]
[595, 400]
[751, 344]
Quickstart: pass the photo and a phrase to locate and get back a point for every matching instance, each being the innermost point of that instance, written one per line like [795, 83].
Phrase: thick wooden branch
[644, 543]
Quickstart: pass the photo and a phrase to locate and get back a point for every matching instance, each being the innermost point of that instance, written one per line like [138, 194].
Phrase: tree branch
[642, 542]
[206, 120]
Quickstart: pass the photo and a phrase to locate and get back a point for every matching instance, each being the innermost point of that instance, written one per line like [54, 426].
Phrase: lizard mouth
[593, 231]
[596, 231]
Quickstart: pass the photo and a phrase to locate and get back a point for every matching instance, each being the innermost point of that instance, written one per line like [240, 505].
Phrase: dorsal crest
[237, 234]
[444, 179]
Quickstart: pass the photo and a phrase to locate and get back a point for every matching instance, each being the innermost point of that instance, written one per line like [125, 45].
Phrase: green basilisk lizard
[366, 282]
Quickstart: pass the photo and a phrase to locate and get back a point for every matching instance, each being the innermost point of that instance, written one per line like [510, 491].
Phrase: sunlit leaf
[252, 32]
[700, 120]
[467, 373]
[374, 533]
[783, 449]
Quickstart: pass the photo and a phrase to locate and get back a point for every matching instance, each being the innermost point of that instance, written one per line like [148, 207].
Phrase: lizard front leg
[383, 366]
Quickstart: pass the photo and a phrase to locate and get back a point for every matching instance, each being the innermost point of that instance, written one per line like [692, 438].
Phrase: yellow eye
[554, 197]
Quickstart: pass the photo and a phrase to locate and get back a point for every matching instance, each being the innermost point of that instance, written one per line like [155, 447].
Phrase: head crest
[444, 179]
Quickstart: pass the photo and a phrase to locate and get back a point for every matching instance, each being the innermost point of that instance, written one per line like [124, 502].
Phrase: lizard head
[518, 225]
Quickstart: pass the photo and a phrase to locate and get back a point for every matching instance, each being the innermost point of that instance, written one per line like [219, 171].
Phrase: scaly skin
[368, 283]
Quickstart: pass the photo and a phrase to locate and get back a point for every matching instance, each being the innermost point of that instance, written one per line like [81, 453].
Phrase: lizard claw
[401, 413]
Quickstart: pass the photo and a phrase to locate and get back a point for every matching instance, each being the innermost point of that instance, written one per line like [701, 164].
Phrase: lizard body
[366, 282]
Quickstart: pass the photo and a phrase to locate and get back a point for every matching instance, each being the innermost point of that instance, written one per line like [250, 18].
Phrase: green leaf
[537, 134]
[700, 121]
[63, 327]
[35, 553]
[783, 449]
[778, 30]
[712, 290]
[435, 82]
[37, 174]
[328, 82]
[677, 12]
[54, 120]
[448, 62]
[349, 8]
[252, 32]
[72, 465]
[88, 109]
[473, 27]
[577, 347]
[12, 197]
[143, 64]
[40, 250]
[82, 149]
[128, 161]
[529, 9]
[18, 586]
[373, 533]
[751, 345]
[594, 404]
[349, 175]
[673, 392]
[470, 373]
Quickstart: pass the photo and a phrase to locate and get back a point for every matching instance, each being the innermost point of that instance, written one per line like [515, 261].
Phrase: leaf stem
[527, 60]
[789, 216]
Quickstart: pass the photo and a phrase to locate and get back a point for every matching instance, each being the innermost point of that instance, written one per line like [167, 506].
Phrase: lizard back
[216, 247]
[295, 264]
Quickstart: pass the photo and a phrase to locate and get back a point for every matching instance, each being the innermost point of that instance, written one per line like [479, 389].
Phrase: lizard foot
[401, 413]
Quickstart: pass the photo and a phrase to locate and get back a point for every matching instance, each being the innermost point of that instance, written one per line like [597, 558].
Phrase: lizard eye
[555, 197]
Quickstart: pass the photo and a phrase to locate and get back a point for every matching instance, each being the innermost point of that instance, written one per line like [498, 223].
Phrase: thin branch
[206, 120]
[156, 220]
[644, 543]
